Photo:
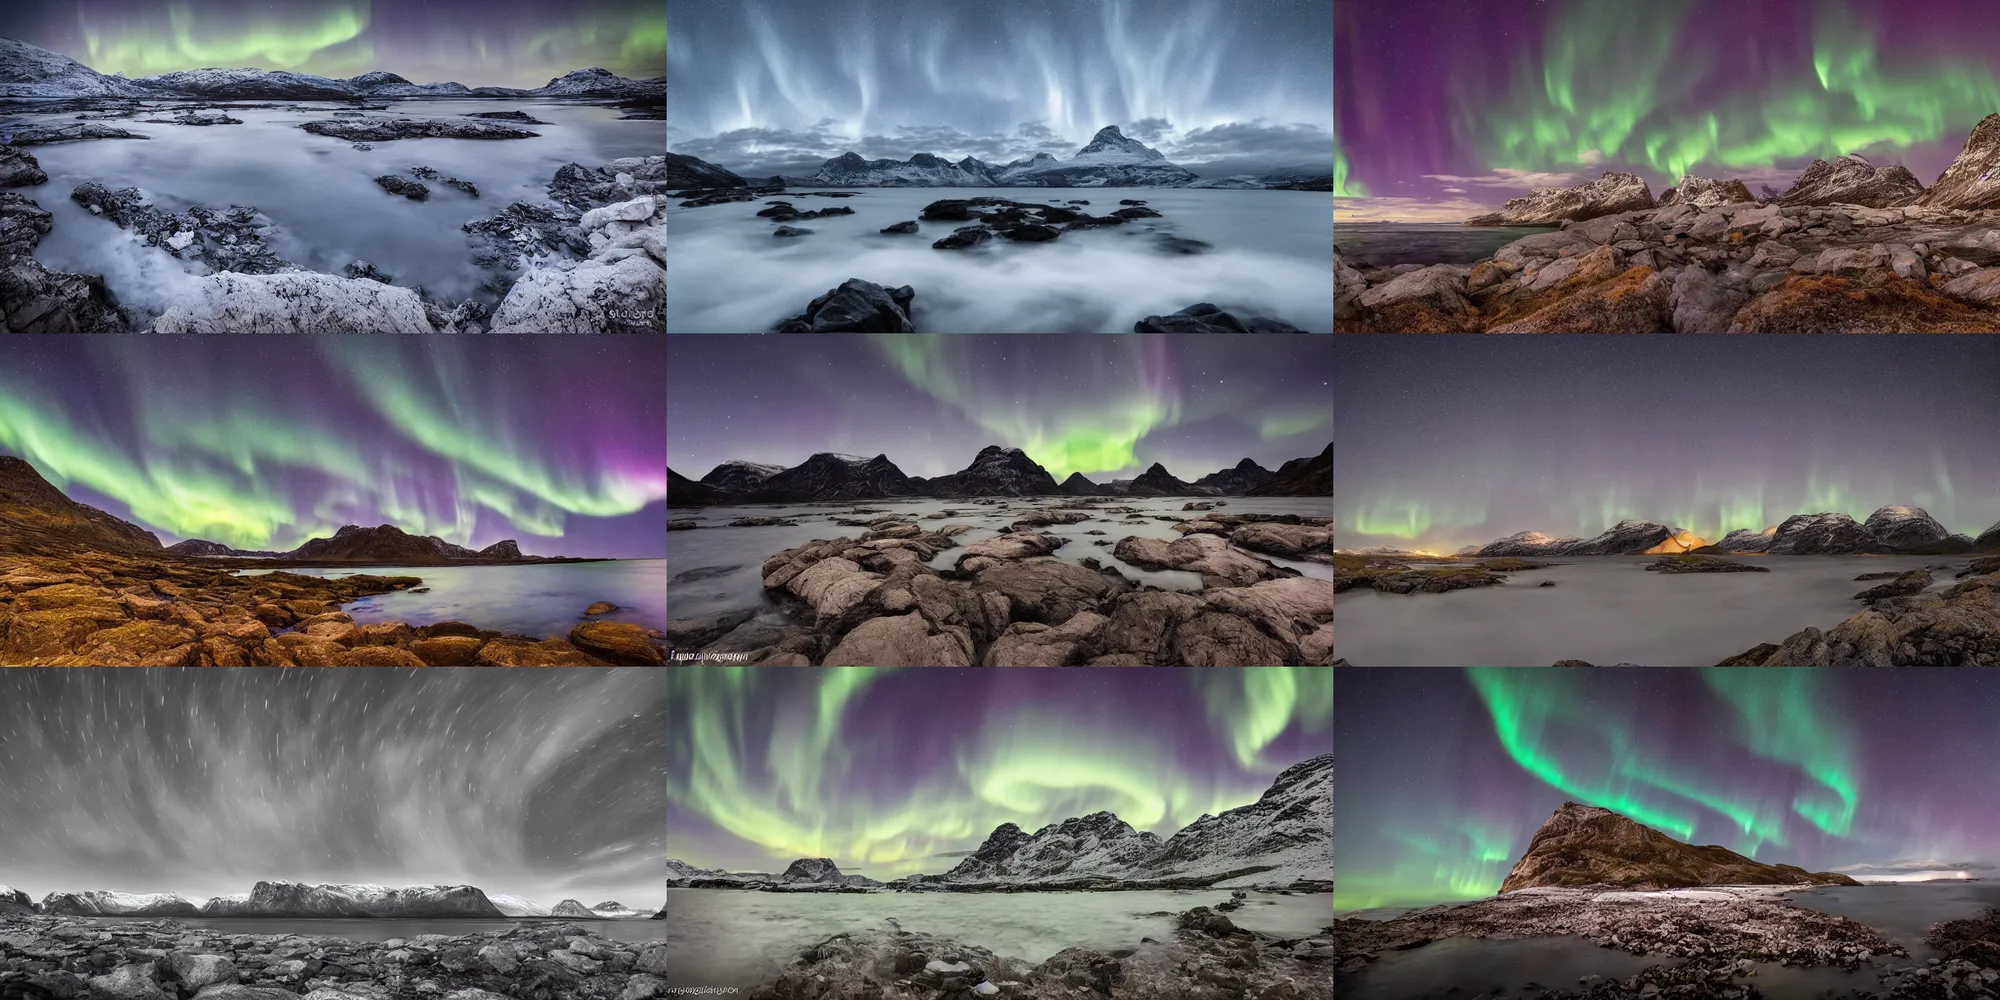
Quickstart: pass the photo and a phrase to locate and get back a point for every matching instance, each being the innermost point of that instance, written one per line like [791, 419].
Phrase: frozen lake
[319, 191]
[1271, 255]
[545, 599]
[715, 568]
[1608, 609]
[726, 937]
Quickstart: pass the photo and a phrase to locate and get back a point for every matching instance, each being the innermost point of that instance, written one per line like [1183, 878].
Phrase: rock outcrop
[689, 172]
[37, 518]
[1706, 192]
[1207, 317]
[1300, 477]
[391, 129]
[856, 306]
[1608, 195]
[34, 299]
[19, 168]
[1586, 845]
[1972, 181]
[1239, 480]
[1852, 180]
[997, 471]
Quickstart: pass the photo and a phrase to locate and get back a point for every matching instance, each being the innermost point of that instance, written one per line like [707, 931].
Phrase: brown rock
[1844, 305]
[619, 643]
[447, 650]
[1586, 845]
[902, 641]
[530, 653]
[600, 608]
[379, 656]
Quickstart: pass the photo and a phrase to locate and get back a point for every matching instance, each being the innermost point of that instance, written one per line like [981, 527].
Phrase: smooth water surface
[545, 599]
[368, 929]
[318, 191]
[1386, 244]
[1609, 609]
[718, 568]
[728, 274]
[728, 937]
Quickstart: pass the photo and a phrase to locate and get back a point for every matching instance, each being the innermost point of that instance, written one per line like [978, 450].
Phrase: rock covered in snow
[1705, 192]
[1973, 179]
[294, 302]
[34, 299]
[232, 240]
[42, 135]
[739, 476]
[572, 908]
[1830, 533]
[1097, 844]
[517, 906]
[1627, 537]
[812, 870]
[1608, 195]
[29, 71]
[1747, 540]
[620, 288]
[390, 129]
[1905, 528]
[295, 899]
[98, 902]
[1852, 180]
[597, 82]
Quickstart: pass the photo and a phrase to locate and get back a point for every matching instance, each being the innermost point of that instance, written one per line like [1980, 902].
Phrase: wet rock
[1030, 234]
[233, 240]
[413, 190]
[34, 299]
[391, 129]
[294, 302]
[968, 237]
[1136, 212]
[522, 231]
[617, 643]
[1915, 581]
[1208, 555]
[901, 227]
[783, 232]
[19, 168]
[1206, 317]
[510, 116]
[41, 135]
[1702, 564]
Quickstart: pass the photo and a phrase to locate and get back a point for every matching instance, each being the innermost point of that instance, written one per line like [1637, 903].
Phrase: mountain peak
[1109, 140]
[1588, 845]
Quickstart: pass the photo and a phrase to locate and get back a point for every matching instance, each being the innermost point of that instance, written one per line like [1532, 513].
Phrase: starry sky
[479, 43]
[780, 86]
[1452, 441]
[263, 442]
[1493, 98]
[1444, 775]
[1108, 406]
[537, 783]
[890, 772]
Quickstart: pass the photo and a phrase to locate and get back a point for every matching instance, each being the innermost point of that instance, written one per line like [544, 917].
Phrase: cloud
[1590, 157]
[1355, 210]
[1504, 178]
[1149, 129]
[1454, 190]
[1034, 130]
[1909, 865]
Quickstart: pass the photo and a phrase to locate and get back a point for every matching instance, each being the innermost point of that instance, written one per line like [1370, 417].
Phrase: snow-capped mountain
[997, 472]
[1097, 844]
[740, 476]
[98, 902]
[517, 906]
[294, 899]
[1287, 834]
[827, 476]
[1110, 159]
[28, 71]
[676, 868]
[614, 910]
[596, 82]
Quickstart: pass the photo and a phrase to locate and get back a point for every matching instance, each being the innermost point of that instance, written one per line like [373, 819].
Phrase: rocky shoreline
[1006, 602]
[1850, 248]
[1208, 958]
[104, 609]
[59, 958]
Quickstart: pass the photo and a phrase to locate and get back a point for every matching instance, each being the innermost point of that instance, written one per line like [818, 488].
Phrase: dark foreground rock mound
[856, 306]
[1586, 845]
[34, 299]
[1207, 317]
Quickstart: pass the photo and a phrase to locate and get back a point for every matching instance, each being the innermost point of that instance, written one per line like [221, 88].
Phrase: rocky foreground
[1208, 958]
[1955, 627]
[105, 609]
[874, 600]
[67, 958]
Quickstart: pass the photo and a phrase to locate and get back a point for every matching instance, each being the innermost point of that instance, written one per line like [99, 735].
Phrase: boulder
[618, 643]
[1206, 317]
[293, 302]
[856, 306]
[19, 168]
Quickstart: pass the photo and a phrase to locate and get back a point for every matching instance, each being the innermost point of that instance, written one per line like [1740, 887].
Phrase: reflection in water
[534, 599]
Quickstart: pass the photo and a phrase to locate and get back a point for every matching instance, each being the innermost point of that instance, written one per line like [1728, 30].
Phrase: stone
[1587, 845]
[902, 640]
[856, 306]
[413, 190]
[901, 227]
[1980, 287]
[1206, 317]
[617, 643]
[19, 168]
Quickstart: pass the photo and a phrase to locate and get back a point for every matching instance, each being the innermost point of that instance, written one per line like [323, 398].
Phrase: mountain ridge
[1589, 845]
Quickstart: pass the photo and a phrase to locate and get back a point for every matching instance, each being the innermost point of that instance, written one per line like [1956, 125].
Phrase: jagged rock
[1705, 192]
[413, 190]
[364, 269]
[856, 306]
[1958, 627]
[967, 237]
[1608, 195]
[34, 299]
[225, 241]
[620, 288]
[785, 231]
[1904, 585]
[1830, 533]
[294, 302]
[42, 135]
[522, 231]
[19, 168]
[1852, 180]
[584, 188]
[901, 227]
[1973, 178]
[1586, 845]
[683, 171]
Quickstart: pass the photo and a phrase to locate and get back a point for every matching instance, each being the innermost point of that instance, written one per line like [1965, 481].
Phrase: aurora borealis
[889, 772]
[1444, 775]
[264, 442]
[1448, 442]
[496, 43]
[538, 783]
[1108, 406]
[780, 86]
[1493, 98]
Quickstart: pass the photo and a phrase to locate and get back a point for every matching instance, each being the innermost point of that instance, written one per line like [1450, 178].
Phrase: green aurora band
[1622, 82]
[1778, 717]
[780, 787]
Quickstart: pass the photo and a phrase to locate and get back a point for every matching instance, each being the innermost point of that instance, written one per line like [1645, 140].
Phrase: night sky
[1443, 775]
[779, 86]
[537, 783]
[1108, 406]
[479, 43]
[1491, 98]
[890, 772]
[1451, 441]
[264, 442]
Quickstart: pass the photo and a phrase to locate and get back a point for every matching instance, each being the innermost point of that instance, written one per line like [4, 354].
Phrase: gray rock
[1981, 286]
[1703, 302]
[1206, 317]
[783, 232]
[901, 227]
[413, 190]
[19, 168]
[390, 129]
[856, 306]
